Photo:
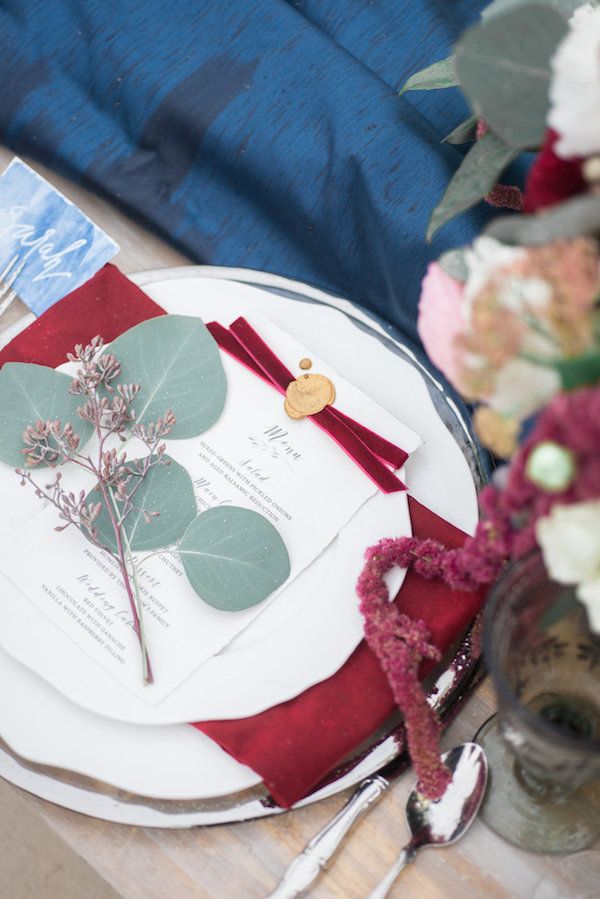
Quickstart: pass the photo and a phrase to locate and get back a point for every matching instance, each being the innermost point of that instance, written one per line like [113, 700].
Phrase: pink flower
[440, 318]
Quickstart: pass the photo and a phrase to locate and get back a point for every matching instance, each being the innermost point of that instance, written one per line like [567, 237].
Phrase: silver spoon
[444, 821]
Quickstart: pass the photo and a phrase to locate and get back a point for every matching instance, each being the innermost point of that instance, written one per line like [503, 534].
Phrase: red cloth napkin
[295, 744]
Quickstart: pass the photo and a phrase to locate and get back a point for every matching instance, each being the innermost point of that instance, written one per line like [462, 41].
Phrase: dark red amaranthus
[510, 508]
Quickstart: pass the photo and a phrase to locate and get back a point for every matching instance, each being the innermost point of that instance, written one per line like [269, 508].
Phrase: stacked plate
[73, 735]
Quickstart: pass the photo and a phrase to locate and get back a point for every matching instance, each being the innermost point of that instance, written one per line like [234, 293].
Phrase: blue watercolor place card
[45, 240]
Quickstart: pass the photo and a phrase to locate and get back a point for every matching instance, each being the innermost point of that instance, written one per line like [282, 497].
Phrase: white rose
[569, 538]
[575, 87]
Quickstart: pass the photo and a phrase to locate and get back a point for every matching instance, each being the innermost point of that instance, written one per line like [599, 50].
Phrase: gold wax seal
[305, 364]
[308, 395]
[291, 411]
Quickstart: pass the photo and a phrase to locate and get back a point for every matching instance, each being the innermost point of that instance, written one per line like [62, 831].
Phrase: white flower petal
[575, 87]
[578, 18]
[523, 387]
[569, 538]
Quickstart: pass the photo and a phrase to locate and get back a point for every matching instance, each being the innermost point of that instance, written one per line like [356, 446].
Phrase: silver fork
[7, 278]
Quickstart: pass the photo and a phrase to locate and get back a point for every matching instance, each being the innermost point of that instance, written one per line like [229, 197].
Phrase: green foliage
[463, 133]
[573, 218]
[233, 557]
[579, 371]
[453, 262]
[177, 363]
[476, 176]
[30, 393]
[503, 66]
[498, 7]
[166, 489]
[436, 76]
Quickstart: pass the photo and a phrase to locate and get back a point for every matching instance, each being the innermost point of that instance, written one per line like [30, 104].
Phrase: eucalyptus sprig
[502, 65]
[162, 380]
[108, 407]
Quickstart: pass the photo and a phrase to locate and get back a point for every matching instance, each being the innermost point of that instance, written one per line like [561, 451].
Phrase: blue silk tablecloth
[258, 133]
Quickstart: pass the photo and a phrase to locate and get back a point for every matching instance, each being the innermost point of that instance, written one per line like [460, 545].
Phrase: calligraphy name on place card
[48, 247]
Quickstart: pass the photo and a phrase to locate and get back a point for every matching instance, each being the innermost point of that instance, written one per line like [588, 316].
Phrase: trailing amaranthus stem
[511, 508]
[401, 644]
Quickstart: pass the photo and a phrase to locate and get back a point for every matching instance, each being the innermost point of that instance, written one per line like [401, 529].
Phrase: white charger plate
[282, 648]
[99, 748]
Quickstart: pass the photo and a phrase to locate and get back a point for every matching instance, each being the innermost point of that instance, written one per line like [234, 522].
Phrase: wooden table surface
[47, 852]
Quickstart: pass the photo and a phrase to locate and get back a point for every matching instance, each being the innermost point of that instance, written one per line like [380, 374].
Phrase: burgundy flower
[552, 179]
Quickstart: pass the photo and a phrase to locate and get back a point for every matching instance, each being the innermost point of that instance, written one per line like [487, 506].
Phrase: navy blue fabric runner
[257, 133]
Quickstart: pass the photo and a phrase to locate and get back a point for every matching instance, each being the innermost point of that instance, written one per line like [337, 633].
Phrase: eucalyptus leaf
[503, 65]
[234, 558]
[573, 218]
[166, 489]
[454, 263]
[463, 133]
[30, 393]
[580, 371]
[498, 7]
[177, 363]
[478, 173]
[435, 77]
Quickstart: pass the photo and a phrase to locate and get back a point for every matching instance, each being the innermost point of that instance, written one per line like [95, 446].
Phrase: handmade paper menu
[256, 457]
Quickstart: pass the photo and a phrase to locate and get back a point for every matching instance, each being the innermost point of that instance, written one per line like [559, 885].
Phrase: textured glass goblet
[543, 746]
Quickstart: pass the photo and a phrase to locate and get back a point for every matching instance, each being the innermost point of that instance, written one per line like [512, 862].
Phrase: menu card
[255, 456]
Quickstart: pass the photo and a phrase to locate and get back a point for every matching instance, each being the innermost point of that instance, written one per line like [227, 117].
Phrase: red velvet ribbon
[371, 452]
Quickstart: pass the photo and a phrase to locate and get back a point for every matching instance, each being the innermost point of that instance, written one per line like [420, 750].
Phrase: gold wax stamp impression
[308, 394]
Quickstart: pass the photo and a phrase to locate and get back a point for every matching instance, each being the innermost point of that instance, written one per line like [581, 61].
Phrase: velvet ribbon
[371, 452]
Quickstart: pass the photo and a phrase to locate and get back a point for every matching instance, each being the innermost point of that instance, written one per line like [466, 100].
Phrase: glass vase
[543, 746]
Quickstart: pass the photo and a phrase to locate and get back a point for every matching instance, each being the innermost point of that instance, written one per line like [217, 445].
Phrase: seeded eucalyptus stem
[108, 407]
[147, 668]
[133, 592]
[117, 522]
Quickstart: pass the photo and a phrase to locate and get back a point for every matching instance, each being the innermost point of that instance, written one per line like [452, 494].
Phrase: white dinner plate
[282, 648]
[40, 724]
[438, 476]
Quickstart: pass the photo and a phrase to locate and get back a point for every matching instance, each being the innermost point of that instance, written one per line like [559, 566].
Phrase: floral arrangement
[513, 322]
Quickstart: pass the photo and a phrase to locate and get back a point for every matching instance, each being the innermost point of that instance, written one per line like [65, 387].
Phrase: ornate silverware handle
[406, 856]
[308, 865]
[444, 698]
